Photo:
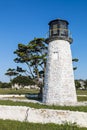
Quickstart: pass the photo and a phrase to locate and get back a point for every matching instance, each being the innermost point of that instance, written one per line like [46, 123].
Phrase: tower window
[55, 56]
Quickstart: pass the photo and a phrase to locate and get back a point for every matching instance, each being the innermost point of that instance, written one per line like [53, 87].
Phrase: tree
[5, 85]
[11, 72]
[77, 84]
[34, 55]
[85, 84]
[75, 60]
[22, 80]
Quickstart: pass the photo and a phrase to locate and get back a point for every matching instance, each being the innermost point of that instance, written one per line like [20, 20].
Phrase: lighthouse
[59, 87]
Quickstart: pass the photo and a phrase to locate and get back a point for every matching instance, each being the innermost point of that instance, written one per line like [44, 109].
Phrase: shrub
[5, 85]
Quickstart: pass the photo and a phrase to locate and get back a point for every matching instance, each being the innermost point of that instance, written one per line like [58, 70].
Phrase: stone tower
[59, 86]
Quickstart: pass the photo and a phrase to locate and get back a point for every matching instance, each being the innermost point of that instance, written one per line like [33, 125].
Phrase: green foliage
[23, 80]
[74, 68]
[20, 70]
[11, 72]
[16, 125]
[85, 84]
[34, 56]
[81, 84]
[75, 60]
[39, 106]
[5, 85]
[77, 84]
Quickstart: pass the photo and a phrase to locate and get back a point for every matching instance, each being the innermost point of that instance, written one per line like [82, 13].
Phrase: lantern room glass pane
[55, 29]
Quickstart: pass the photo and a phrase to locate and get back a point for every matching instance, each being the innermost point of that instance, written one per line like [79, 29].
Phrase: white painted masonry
[59, 86]
[43, 115]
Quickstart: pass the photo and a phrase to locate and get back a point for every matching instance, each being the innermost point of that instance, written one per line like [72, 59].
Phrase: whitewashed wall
[59, 88]
[43, 115]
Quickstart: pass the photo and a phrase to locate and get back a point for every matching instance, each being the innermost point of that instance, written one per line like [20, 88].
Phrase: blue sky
[22, 20]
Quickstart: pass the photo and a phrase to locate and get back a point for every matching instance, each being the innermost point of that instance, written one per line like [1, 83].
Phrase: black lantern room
[58, 29]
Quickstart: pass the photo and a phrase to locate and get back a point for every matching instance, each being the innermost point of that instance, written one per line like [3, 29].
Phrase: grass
[81, 92]
[37, 105]
[82, 98]
[26, 91]
[16, 125]
[41, 106]
[19, 91]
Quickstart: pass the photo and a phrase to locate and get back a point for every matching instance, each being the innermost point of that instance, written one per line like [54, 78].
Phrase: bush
[77, 84]
[5, 85]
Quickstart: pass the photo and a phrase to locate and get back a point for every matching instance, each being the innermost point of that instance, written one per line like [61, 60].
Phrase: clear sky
[22, 20]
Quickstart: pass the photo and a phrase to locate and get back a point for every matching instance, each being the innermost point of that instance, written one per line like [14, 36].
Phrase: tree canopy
[22, 80]
[34, 55]
[11, 72]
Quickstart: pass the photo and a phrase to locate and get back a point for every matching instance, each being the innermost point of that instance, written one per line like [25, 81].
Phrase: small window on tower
[55, 56]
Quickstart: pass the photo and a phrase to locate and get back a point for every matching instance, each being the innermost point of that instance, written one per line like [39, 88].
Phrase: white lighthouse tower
[59, 86]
